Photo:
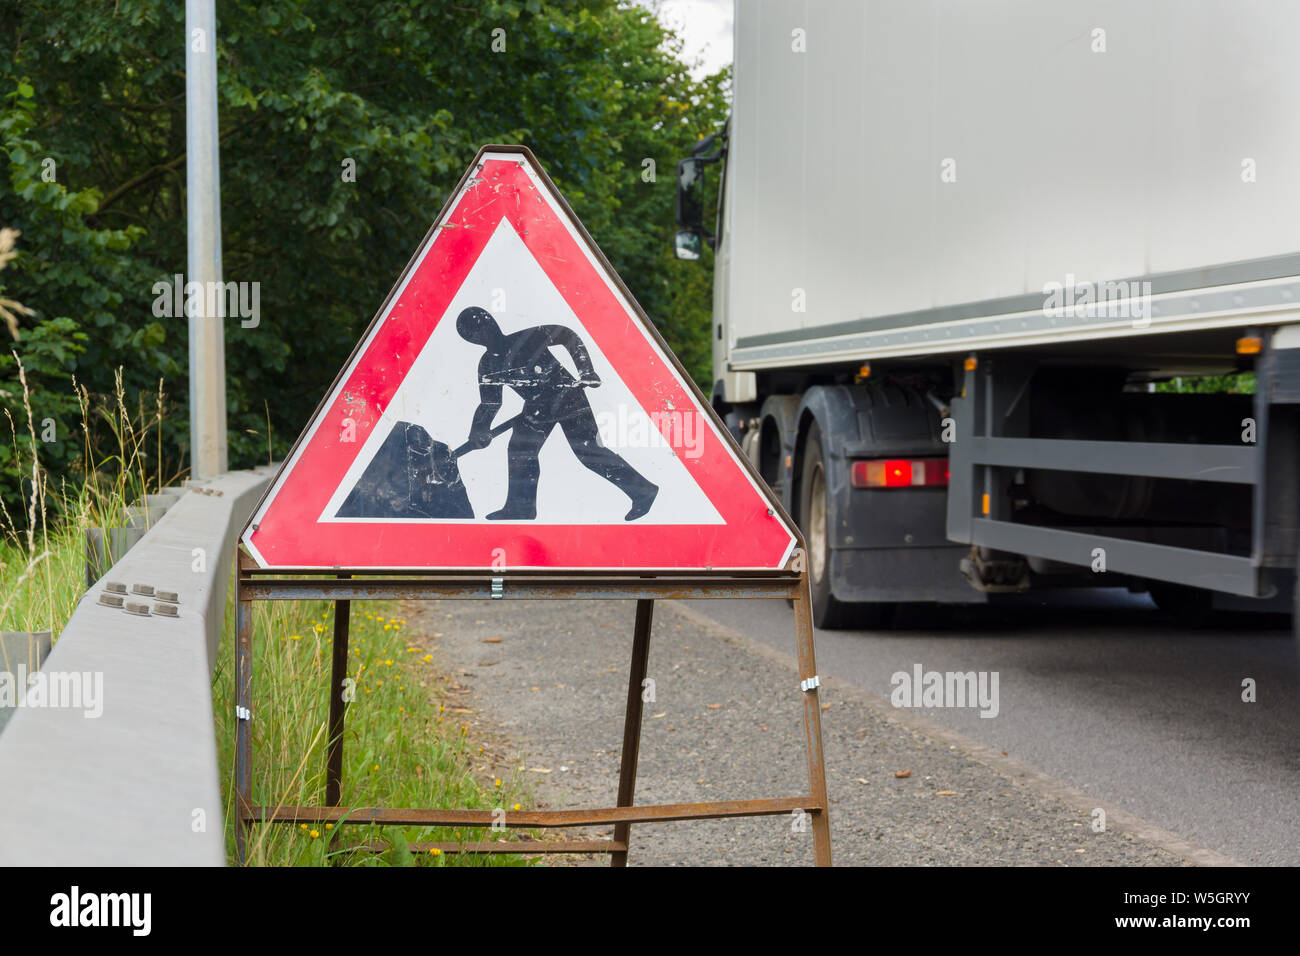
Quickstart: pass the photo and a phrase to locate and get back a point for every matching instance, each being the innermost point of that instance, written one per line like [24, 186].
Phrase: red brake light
[900, 473]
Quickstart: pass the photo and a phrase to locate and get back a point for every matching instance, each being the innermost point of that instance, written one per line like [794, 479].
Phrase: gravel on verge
[549, 678]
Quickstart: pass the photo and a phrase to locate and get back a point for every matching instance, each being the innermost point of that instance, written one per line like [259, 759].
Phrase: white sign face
[441, 393]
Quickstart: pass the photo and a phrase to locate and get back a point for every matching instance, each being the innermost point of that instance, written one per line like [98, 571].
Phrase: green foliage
[43, 552]
[76, 278]
[1241, 383]
[401, 745]
[406, 89]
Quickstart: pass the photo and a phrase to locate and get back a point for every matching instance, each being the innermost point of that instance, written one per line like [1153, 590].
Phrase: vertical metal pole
[338, 708]
[812, 725]
[1260, 496]
[203, 201]
[632, 723]
[992, 428]
[243, 712]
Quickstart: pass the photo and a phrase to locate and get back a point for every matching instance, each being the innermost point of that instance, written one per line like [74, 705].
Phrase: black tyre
[828, 612]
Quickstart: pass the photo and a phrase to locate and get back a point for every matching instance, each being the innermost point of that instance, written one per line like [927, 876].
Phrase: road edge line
[1021, 774]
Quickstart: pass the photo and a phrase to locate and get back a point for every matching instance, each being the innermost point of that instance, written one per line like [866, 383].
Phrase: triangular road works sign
[512, 408]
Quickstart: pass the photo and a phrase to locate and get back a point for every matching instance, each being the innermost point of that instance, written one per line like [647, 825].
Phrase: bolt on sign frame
[749, 567]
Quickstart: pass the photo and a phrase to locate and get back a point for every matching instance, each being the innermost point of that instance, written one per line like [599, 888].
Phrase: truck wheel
[828, 612]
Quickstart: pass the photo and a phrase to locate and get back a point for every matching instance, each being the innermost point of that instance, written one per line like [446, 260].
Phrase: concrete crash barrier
[114, 762]
[104, 546]
[21, 655]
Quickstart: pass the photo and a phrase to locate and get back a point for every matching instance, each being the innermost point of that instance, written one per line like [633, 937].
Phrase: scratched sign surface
[510, 407]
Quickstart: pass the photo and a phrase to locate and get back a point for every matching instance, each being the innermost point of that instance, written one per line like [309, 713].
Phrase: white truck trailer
[959, 244]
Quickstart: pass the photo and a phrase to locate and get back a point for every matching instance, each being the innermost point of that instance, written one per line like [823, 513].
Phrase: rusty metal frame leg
[338, 708]
[812, 725]
[632, 723]
[250, 589]
[243, 715]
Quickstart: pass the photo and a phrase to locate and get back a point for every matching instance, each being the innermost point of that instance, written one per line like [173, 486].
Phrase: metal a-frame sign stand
[342, 586]
[255, 584]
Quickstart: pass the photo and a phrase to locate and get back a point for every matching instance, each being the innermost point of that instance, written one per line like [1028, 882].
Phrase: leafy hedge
[92, 140]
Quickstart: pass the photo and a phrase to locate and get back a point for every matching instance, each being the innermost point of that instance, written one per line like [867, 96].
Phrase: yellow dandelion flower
[496, 782]
[388, 662]
[515, 807]
[303, 825]
[388, 627]
[295, 637]
[434, 851]
[315, 834]
[329, 826]
[426, 658]
[375, 767]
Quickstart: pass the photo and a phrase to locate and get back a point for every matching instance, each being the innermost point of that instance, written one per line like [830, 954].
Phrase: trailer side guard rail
[980, 463]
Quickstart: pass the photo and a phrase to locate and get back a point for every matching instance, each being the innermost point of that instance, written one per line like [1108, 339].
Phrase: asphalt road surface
[1102, 703]
[1100, 690]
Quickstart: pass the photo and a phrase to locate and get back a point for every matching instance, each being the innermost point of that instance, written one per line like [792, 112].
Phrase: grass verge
[40, 587]
[402, 745]
[43, 549]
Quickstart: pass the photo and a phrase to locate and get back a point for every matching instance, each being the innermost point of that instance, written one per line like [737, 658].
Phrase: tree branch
[154, 172]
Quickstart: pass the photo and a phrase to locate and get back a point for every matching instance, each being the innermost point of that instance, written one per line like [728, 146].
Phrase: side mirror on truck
[690, 204]
[691, 235]
[688, 244]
